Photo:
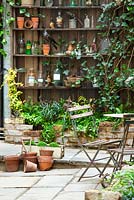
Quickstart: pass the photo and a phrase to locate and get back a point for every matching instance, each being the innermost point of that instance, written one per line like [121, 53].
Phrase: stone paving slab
[18, 182]
[70, 196]
[40, 193]
[54, 181]
[11, 194]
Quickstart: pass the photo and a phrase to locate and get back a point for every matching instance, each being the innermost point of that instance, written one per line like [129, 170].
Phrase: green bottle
[73, 3]
[28, 47]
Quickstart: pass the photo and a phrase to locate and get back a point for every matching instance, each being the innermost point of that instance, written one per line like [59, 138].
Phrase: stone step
[2, 137]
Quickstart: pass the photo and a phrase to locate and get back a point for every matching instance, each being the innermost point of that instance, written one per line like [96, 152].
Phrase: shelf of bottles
[64, 36]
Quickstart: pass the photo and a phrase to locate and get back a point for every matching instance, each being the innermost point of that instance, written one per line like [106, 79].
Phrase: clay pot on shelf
[20, 22]
[35, 21]
[30, 166]
[45, 162]
[12, 163]
[46, 49]
[46, 152]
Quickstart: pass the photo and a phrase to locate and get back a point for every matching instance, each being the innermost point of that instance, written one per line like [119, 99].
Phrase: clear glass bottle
[31, 77]
[72, 23]
[86, 22]
[40, 79]
[82, 2]
[59, 20]
[35, 48]
[57, 77]
[21, 45]
[49, 3]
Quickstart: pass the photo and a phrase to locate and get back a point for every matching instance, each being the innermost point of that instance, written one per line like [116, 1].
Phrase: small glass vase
[49, 3]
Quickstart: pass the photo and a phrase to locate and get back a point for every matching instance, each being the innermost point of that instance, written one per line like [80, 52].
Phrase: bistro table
[117, 154]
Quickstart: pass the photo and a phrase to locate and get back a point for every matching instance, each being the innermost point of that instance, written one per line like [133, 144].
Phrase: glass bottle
[35, 48]
[82, 2]
[73, 3]
[57, 77]
[93, 46]
[40, 78]
[28, 49]
[59, 20]
[52, 23]
[72, 23]
[31, 77]
[60, 2]
[88, 2]
[21, 45]
[86, 22]
[48, 3]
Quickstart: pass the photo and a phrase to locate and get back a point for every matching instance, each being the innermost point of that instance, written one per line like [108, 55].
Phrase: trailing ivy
[5, 21]
[114, 72]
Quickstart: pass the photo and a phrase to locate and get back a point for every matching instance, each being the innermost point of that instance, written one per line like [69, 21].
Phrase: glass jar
[72, 23]
[49, 3]
[21, 45]
[31, 77]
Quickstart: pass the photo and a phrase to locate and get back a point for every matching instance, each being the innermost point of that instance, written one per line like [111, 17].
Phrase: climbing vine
[114, 72]
[5, 21]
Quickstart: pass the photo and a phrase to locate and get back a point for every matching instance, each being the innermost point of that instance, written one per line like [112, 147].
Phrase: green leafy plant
[114, 71]
[123, 182]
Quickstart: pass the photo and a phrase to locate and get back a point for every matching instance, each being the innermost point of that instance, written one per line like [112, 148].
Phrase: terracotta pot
[35, 21]
[45, 162]
[46, 49]
[46, 152]
[28, 154]
[30, 166]
[12, 163]
[20, 22]
[32, 159]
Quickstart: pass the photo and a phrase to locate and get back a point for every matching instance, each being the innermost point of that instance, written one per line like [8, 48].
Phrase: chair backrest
[74, 111]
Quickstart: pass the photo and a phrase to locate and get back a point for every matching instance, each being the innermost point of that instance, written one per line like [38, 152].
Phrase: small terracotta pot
[28, 154]
[46, 152]
[32, 159]
[46, 49]
[35, 21]
[20, 22]
[45, 162]
[30, 166]
[12, 163]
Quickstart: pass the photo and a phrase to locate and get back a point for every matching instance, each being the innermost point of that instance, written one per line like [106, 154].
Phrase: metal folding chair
[76, 113]
[117, 154]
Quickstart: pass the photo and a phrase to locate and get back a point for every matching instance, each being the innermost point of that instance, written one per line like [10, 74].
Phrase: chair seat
[102, 142]
[125, 151]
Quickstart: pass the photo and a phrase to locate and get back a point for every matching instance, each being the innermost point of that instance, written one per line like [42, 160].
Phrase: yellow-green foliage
[13, 94]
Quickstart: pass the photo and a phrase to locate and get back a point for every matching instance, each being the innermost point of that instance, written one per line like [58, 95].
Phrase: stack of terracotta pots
[45, 159]
[30, 159]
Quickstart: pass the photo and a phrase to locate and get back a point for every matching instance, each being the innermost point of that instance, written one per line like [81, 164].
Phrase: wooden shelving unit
[37, 61]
